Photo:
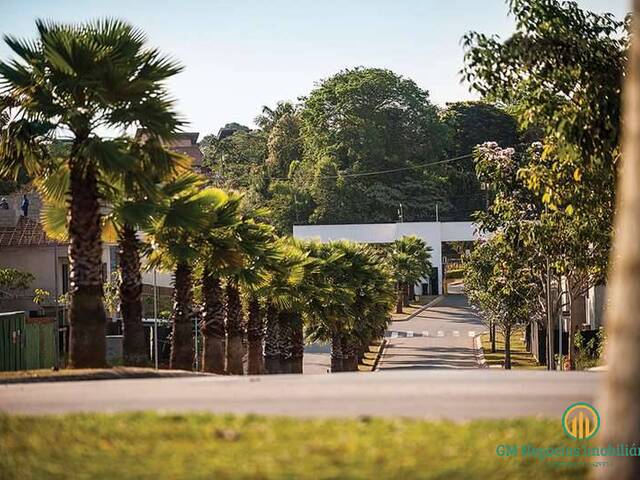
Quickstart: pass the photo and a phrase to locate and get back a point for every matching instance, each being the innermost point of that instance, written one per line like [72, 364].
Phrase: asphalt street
[453, 394]
[442, 336]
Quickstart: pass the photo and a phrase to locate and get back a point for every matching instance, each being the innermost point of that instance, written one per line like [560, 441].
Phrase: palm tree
[218, 252]
[130, 202]
[186, 212]
[261, 257]
[285, 299]
[269, 116]
[410, 259]
[355, 308]
[83, 78]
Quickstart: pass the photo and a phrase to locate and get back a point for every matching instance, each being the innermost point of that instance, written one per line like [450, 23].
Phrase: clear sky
[242, 54]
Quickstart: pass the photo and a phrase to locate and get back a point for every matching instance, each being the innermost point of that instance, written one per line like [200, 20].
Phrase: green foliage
[472, 124]
[572, 96]
[500, 282]
[13, 279]
[410, 260]
[80, 78]
[111, 292]
[41, 296]
[589, 351]
[364, 120]
[355, 291]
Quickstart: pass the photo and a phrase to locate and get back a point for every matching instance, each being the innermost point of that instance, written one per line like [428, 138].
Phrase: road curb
[432, 303]
[482, 362]
[383, 345]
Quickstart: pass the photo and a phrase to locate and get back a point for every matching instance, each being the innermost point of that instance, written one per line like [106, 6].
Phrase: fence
[27, 343]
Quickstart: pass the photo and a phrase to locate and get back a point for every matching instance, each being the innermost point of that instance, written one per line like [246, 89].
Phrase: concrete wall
[433, 234]
[595, 306]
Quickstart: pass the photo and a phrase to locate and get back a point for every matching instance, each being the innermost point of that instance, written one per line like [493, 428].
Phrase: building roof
[185, 143]
[192, 151]
[26, 233]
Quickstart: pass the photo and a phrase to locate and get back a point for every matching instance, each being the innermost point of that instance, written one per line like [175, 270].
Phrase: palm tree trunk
[255, 333]
[407, 293]
[134, 346]
[235, 329]
[621, 419]
[182, 346]
[350, 347]
[399, 300]
[285, 341]
[212, 324]
[297, 351]
[336, 353]
[87, 341]
[271, 351]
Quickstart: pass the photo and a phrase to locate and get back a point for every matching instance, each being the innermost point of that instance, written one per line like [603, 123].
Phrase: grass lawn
[194, 446]
[520, 358]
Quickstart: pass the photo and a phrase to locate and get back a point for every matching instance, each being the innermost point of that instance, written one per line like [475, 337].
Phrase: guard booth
[27, 343]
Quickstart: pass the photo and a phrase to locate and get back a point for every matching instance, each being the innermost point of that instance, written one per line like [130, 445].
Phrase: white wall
[433, 234]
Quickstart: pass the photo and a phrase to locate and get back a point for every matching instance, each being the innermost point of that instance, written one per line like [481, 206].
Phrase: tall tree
[364, 120]
[472, 124]
[561, 72]
[621, 419]
[83, 78]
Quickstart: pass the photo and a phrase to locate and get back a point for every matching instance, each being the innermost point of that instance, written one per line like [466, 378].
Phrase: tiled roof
[192, 151]
[27, 233]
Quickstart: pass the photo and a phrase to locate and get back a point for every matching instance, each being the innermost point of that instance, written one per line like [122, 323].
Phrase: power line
[381, 172]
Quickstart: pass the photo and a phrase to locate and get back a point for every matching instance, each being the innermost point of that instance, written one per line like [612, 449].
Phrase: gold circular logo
[580, 421]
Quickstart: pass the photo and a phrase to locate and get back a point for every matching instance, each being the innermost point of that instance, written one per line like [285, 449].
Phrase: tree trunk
[297, 352]
[576, 318]
[399, 301]
[182, 341]
[134, 345]
[235, 329]
[336, 353]
[255, 332]
[212, 324]
[407, 294]
[350, 347]
[492, 334]
[507, 348]
[87, 341]
[271, 352]
[621, 419]
[285, 341]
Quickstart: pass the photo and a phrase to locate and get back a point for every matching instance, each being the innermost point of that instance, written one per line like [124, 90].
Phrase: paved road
[451, 394]
[441, 336]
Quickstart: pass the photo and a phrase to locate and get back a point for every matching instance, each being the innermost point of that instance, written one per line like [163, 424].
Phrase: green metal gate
[12, 330]
[27, 343]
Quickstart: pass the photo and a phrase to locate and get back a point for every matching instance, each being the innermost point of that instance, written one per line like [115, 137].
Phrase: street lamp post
[155, 319]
